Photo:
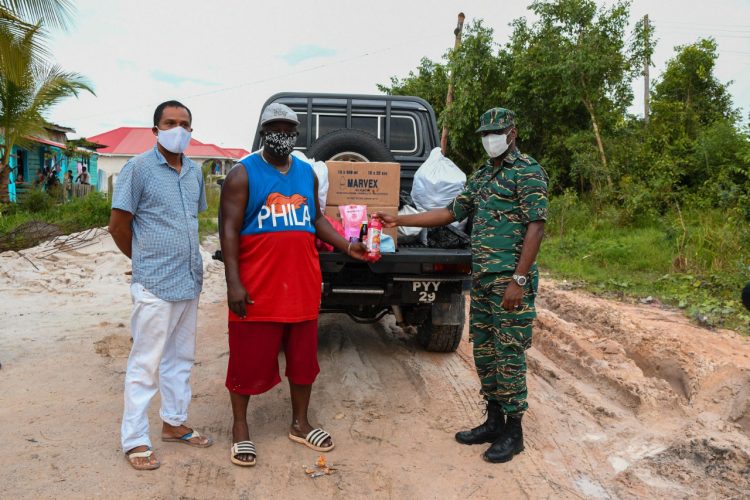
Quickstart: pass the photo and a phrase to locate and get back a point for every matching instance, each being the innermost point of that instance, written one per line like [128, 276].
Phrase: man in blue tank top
[270, 216]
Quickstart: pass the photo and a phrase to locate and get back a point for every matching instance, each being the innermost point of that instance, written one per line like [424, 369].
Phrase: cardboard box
[333, 212]
[355, 183]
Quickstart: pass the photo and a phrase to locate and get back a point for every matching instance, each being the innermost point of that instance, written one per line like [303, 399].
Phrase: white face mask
[174, 139]
[495, 144]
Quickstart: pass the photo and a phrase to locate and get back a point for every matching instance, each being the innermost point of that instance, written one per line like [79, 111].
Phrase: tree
[694, 129]
[56, 13]
[571, 71]
[21, 28]
[430, 82]
[21, 16]
[477, 75]
[26, 93]
[568, 76]
[689, 83]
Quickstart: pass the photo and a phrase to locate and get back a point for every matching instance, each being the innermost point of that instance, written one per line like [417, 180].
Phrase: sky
[224, 58]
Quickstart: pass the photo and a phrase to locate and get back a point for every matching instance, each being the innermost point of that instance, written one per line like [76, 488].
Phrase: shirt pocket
[499, 199]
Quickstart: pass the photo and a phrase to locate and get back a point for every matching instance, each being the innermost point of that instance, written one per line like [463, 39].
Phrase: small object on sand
[22, 255]
[319, 469]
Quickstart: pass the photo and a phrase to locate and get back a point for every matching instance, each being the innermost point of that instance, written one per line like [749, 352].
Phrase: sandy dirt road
[627, 401]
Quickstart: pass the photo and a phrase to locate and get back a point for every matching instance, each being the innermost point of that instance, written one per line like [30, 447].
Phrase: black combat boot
[508, 444]
[489, 431]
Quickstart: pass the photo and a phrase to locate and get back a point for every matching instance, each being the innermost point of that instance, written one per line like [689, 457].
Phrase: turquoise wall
[33, 160]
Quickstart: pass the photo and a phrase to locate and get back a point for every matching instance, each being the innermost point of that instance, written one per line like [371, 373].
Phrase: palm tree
[20, 26]
[20, 16]
[29, 88]
[55, 13]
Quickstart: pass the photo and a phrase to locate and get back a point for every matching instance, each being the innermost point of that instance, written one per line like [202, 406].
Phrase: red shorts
[254, 354]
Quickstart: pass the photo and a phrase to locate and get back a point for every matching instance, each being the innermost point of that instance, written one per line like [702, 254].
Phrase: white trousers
[161, 359]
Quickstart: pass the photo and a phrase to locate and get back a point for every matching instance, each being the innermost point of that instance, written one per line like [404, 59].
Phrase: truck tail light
[452, 268]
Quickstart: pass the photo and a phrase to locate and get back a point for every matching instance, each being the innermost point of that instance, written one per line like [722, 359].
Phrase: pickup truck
[422, 287]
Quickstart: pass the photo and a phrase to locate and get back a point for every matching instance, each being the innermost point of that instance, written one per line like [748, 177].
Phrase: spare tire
[349, 145]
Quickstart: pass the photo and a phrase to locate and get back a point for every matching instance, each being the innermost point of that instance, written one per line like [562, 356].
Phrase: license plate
[421, 292]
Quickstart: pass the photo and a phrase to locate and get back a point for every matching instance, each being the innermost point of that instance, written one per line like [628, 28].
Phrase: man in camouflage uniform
[507, 198]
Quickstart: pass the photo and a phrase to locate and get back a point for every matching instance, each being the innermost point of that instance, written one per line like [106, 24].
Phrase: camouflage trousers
[501, 338]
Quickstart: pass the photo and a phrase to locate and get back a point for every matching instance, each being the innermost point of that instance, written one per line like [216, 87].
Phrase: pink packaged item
[323, 246]
[352, 216]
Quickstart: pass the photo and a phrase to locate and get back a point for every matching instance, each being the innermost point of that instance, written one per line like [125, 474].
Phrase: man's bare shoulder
[236, 175]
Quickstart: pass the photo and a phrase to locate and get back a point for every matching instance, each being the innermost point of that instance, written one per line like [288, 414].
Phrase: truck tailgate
[410, 260]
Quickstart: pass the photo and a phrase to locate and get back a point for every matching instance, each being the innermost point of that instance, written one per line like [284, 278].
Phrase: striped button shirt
[165, 205]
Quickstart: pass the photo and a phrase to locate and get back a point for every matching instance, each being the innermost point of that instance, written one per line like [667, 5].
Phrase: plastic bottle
[363, 233]
[374, 230]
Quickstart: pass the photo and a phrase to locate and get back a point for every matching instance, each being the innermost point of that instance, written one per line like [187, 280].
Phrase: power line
[704, 25]
[709, 28]
[700, 33]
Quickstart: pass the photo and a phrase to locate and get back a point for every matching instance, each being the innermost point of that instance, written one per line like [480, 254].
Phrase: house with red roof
[123, 143]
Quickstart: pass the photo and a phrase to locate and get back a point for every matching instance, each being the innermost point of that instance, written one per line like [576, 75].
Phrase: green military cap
[497, 119]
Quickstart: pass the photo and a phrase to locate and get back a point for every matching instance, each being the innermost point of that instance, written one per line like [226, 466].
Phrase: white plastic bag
[408, 231]
[436, 182]
[321, 171]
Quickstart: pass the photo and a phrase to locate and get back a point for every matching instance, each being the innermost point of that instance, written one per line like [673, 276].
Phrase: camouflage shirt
[503, 200]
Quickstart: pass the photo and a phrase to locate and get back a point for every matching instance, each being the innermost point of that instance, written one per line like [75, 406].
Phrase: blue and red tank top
[278, 261]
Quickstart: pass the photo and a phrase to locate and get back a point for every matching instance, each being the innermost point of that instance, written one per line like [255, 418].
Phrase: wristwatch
[520, 280]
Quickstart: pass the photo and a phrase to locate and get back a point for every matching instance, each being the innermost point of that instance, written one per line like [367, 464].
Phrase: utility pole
[646, 64]
[449, 98]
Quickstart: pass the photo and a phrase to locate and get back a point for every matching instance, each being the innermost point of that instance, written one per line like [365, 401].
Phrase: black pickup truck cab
[423, 287]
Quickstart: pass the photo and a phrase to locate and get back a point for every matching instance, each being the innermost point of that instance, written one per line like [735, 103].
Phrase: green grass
[697, 261]
[207, 221]
[76, 215]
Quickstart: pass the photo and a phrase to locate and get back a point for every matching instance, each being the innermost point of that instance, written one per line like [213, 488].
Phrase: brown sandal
[187, 437]
[142, 454]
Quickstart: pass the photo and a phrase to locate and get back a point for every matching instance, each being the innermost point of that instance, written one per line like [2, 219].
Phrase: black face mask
[280, 144]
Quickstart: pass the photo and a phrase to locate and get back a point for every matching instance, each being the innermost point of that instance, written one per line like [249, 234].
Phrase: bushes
[691, 257]
[77, 215]
[36, 201]
[208, 220]
[38, 207]
[83, 213]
